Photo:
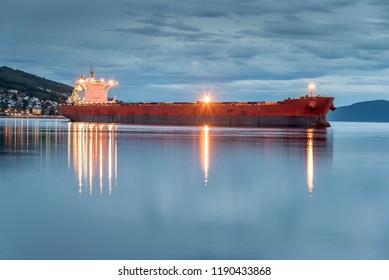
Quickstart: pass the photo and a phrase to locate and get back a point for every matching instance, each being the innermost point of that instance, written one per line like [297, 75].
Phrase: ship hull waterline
[298, 112]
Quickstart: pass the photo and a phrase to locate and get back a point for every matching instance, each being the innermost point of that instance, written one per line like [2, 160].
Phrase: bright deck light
[311, 88]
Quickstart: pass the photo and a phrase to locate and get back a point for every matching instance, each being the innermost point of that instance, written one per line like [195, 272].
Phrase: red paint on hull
[304, 111]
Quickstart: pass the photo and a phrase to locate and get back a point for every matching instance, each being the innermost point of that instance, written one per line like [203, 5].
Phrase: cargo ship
[90, 103]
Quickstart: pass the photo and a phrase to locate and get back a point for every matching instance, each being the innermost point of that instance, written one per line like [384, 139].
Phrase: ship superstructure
[91, 90]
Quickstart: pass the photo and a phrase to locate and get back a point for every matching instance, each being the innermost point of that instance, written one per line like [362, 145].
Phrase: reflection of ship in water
[92, 150]
[309, 145]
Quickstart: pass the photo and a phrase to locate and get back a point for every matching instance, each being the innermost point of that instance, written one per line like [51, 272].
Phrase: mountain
[368, 111]
[32, 85]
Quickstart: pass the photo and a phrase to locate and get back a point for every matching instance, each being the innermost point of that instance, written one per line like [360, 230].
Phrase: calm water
[84, 191]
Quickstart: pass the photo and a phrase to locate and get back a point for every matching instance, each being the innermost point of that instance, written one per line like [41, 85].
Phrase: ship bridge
[92, 90]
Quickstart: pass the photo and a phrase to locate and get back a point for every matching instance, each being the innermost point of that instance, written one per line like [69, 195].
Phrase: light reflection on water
[310, 159]
[192, 192]
[205, 153]
[92, 153]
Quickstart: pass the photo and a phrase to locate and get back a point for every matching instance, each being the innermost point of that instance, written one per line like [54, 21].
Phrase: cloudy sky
[172, 50]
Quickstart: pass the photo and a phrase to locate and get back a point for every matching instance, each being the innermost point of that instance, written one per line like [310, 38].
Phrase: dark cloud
[163, 21]
[227, 8]
[153, 31]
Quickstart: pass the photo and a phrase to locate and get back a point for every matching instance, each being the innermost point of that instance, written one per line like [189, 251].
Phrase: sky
[173, 50]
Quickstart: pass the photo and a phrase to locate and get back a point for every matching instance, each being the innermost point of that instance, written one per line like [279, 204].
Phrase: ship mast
[311, 88]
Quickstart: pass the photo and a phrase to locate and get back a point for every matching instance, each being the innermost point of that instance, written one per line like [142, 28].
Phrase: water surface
[87, 191]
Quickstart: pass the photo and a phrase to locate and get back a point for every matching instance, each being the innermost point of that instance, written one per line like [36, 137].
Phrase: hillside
[32, 85]
[369, 111]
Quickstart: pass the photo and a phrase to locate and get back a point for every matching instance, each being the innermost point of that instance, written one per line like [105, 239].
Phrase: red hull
[305, 112]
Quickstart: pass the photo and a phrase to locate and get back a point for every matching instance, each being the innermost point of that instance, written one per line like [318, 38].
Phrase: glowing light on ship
[206, 99]
[206, 96]
[311, 87]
